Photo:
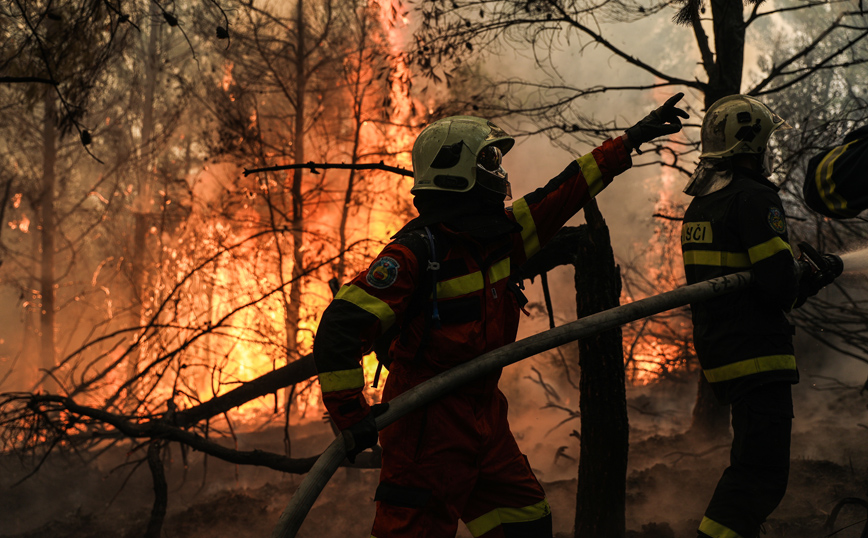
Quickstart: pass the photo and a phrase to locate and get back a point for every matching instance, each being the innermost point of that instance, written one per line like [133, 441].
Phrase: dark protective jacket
[742, 339]
[836, 181]
[478, 312]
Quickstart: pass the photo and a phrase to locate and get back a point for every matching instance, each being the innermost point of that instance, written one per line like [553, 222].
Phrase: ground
[670, 479]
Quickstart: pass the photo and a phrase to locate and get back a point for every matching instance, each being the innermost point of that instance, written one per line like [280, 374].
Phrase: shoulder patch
[383, 272]
[777, 221]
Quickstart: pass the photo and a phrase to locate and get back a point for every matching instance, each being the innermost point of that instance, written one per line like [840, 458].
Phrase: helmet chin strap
[766, 163]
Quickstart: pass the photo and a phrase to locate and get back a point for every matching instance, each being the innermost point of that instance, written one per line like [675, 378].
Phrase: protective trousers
[457, 459]
[756, 480]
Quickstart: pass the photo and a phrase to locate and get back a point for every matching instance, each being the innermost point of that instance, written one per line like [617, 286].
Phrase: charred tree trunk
[48, 227]
[359, 93]
[161, 490]
[142, 206]
[293, 311]
[724, 70]
[600, 499]
[292, 305]
[724, 76]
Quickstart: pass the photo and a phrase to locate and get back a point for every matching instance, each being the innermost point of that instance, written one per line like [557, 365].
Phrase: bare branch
[312, 166]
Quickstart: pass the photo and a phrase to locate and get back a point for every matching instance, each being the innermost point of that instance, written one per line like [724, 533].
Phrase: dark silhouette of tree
[603, 400]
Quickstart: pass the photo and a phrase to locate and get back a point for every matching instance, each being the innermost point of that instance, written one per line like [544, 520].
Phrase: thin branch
[158, 429]
[28, 80]
[324, 166]
[626, 57]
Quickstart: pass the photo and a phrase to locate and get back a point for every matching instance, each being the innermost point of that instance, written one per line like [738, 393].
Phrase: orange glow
[219, 286]
[662, 344]
[22, 224]
[227, 80]
[251, 341]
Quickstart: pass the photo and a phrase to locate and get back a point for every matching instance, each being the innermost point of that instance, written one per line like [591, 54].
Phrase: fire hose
[301, 502]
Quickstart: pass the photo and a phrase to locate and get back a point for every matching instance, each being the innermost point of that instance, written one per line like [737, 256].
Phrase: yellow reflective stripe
[768, 249]
[366, 301]
[823, 178]
[716, 258]
[461, 285]
[498, 271]
[342, 380]
[592, 174]
[498, 516]
[716, 530]
[528, 233]
[750, 367]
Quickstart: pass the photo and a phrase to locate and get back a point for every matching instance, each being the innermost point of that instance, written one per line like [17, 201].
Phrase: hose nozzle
[823, 268]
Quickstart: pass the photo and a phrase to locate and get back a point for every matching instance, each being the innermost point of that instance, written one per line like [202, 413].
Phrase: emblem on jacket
[777, 220]
[383, 272]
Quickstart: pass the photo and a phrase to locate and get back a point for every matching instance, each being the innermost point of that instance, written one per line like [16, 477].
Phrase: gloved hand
[662, 121]
[363, 434]
[817, 271]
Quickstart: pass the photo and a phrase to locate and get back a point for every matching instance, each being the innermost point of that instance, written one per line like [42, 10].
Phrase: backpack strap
[422, 244]
[432, 267]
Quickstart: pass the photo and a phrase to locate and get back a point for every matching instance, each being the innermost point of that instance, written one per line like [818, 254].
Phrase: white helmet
[738, 124]
[455, 153]
[733, 125]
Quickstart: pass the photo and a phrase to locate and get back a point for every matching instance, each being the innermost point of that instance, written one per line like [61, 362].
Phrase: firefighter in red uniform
[743, 340]
[441, 293]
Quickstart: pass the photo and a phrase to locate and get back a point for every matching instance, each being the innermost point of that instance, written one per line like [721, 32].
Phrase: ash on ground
[670, 480]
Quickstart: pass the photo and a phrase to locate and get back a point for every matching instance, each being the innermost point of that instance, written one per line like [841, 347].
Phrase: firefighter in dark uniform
[744, 340]
[456, 458]
[836, 182]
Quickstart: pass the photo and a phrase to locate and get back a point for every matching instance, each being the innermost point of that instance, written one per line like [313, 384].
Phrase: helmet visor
[490, 159]
[490, 173]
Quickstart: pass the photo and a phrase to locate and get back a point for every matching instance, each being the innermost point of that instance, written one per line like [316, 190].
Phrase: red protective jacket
[478, 312]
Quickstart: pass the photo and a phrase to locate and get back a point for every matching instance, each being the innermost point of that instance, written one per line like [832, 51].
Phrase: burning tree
[228, 272]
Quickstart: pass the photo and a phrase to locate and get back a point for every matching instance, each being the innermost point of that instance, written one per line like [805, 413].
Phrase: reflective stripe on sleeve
[364, 300]
[342, 380]
[498, 516]
[522, 214]
[499, 271]
[750, 367]
[738, 260]
[825, 184]
[768, 249]
[592, 174]
[716, 530]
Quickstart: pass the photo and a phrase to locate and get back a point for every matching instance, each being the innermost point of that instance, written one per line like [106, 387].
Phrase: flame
[227, 80]
[221, 318]
[661, 345]
[240, 357]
